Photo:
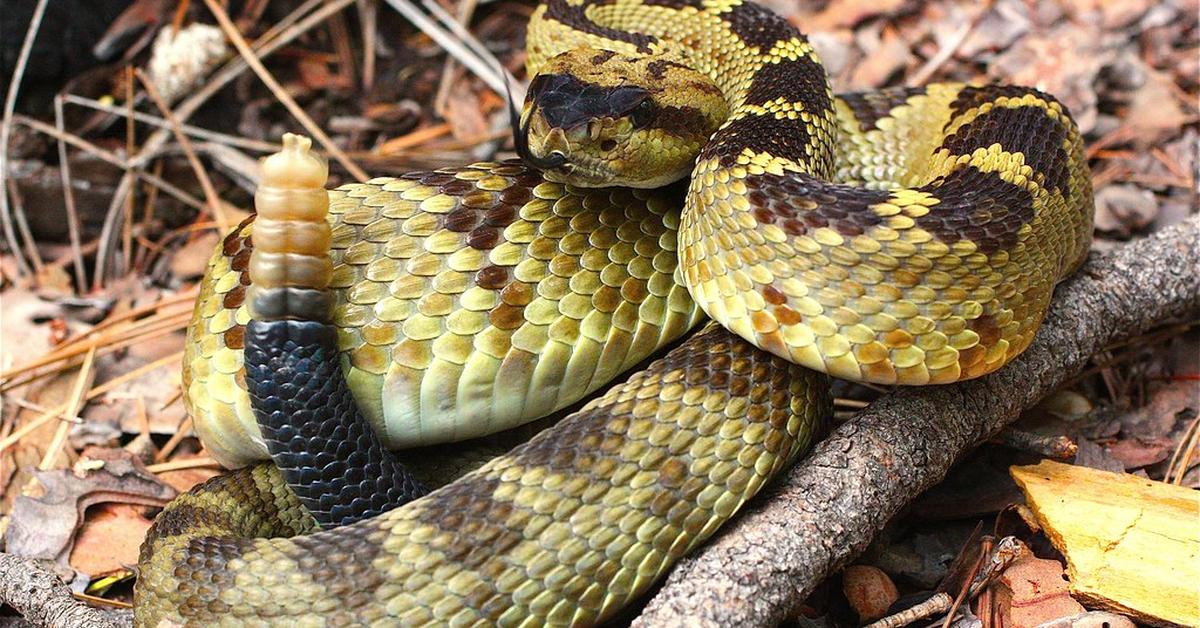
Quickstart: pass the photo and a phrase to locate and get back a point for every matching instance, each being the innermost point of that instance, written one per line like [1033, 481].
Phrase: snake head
[596, 118]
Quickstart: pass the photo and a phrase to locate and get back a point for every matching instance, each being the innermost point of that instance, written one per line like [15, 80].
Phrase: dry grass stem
[210, 193]
[64, 171]
[280, 94]
[82, 383]
[112, 158]
[52, 413]
[190, 463]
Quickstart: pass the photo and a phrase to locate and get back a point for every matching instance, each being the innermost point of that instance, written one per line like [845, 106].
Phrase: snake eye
[642, 114]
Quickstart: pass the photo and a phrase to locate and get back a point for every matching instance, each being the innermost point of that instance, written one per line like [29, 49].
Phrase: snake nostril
[608, 144]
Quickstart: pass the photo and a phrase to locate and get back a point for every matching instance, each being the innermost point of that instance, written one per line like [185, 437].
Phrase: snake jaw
[520, 129]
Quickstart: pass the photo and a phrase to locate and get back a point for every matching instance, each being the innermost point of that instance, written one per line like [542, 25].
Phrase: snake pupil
[642, 114]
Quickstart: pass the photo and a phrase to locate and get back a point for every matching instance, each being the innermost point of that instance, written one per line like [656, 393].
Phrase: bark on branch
[827, 509]
[43, 599]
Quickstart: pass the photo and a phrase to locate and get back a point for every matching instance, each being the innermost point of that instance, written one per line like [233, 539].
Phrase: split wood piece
[1132, 545]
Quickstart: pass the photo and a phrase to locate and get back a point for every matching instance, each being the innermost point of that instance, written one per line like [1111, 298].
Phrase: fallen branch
[42, 599]
[828, 508]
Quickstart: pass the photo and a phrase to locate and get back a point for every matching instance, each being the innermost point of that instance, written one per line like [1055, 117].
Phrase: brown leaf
[315, 74]
[192, 258]
[1124, 209]
[1033, 591]
[109, 539]
[183, 480]
[1135, 452]
[1114, 14]
[839, 13]
[1094, 456]
[880, 64]
[869, 590]
[464, 112]
[1155, 113]
[44, 527]
[1159, 417]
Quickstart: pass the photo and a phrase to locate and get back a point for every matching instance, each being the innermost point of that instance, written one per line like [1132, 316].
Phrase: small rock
[869, 590]
[1123, 209]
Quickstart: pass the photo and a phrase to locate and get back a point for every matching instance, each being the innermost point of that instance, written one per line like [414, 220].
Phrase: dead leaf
[1092, 619]
[184, 480]
[1159, 417]
[845, 13]
[1006, 22]
[316, 75]
[880, 64]
[869, 590]
[1113, 14]
[192, 258]
[1094, 456]
[1155, 111]
[44, 527]
[1033, 591]
[109, 539]
[1135, 453]
[464, 112]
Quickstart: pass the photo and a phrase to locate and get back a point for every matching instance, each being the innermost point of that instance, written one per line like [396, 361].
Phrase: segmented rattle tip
[296, 166]
[290, 267]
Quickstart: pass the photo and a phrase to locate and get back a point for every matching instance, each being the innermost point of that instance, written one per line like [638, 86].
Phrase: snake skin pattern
[482, 292]
[904, 236]
[321, 444]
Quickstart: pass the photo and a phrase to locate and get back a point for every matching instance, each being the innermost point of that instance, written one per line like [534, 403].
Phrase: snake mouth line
[520, 131]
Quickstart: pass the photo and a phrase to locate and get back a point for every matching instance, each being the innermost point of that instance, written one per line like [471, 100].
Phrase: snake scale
[904, 236]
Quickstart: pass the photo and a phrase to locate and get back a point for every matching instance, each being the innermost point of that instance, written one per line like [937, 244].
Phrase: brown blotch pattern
[492, 277]
[235, 337]
[603, 57]
[758, 26]
[798, 203]
[1027, 130]
[871, 107]
[685, 121]
[977, 206]
[808, 142]
[989, 332]
[576, 18]
[234, 298]
[973, 96]
[773, 295]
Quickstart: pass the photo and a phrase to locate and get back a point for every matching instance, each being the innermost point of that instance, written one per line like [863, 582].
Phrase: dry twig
[42, 599]
[281, 94]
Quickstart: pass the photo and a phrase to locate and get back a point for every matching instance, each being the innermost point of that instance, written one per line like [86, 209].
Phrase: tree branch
[42, 599]
[826, 510]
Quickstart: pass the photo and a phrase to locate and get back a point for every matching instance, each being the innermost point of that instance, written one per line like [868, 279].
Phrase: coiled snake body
[904, 236]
